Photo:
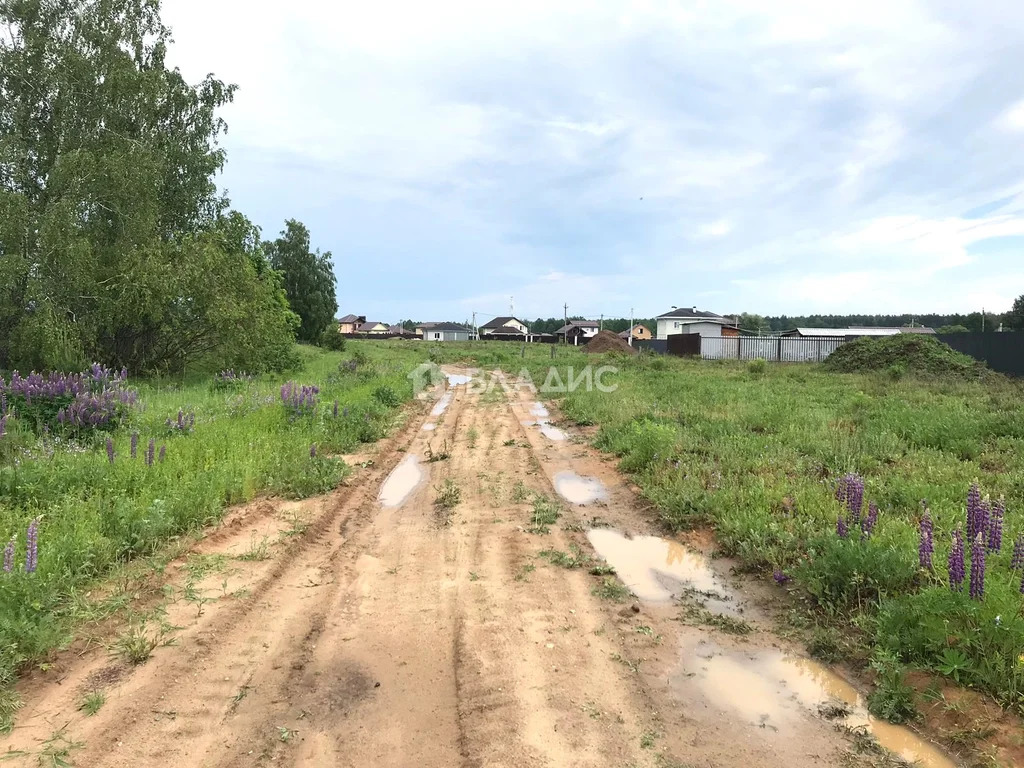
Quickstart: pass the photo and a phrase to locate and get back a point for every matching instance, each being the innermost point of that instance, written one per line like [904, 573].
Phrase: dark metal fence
[658, 346]
[1003, 352]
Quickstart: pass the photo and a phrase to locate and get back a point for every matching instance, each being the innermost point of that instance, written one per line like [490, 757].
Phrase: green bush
[757, 368]
[331, 339]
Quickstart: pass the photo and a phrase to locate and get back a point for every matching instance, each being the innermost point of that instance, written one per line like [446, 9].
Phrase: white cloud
[828, 150]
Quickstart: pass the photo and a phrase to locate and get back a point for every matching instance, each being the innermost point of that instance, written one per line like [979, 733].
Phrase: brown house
[641, 332]
[350, 323]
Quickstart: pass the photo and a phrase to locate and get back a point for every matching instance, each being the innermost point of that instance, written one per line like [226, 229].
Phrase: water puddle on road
[772, 691]
[579, 490]
[455, 379]
[549, 430]
[402, 481]
[442, 405]
[429, 427]
[656, 569]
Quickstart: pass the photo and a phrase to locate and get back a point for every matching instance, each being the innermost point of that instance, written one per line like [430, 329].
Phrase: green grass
[95, 516]
[92, 702]
[756, 451]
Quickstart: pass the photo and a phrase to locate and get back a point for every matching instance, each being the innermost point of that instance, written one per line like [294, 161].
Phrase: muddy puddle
[429, 427]
[579, 490]
[403, 480]
[457, 379]
[656, 569]
[442, 405]
[549, 430]
[774, 691]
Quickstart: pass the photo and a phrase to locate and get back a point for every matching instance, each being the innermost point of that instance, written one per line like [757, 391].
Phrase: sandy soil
[350, 631]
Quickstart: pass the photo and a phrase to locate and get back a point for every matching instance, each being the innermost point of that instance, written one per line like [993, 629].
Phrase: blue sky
[788, 157]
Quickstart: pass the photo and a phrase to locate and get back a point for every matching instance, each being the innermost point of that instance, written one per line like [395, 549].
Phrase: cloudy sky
[791, 156]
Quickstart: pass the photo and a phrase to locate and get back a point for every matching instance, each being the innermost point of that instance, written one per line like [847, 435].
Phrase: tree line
[115, 245]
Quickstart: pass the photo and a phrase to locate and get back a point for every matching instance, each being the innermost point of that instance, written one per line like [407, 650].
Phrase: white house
[576, 330]
[693, 320]
[445, 332]
[503, 326]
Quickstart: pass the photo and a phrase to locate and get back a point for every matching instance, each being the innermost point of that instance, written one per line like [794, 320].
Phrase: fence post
[778, 351]
[739, 340]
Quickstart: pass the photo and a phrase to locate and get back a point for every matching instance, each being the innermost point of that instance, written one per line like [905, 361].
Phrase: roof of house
[370, 326]
[498, 322]
[445, 327]
[916, 329]
[578, 324]
[396, 328]
[625, 334]
[505, 330]
[692, 313]
[352, 319]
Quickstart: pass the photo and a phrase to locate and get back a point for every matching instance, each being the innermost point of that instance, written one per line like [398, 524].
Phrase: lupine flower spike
[9, 556]
[926, 547]
[867, 524]
[312, 451]
[956, 562]
[842, 530]
[150, 452]
[163, 453]
[780, 577]
[135, 444]
[32, 546]
[1017, 561]
[110, 450]
[973, 508]
[995, 527]
[977, 588]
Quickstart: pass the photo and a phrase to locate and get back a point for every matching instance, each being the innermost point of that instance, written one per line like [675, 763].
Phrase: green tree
[1015, 317]
[111, 227]
[753, 323]
[309, 279]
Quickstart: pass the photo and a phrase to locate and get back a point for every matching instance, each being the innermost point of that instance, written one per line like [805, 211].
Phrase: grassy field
[757, 452]
[95, 514]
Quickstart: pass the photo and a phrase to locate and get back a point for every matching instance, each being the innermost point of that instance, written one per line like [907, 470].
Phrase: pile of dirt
[609, 341]
[904, 352]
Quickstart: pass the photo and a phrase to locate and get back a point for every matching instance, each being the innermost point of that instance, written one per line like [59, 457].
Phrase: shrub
[904, 352]
[331, 339]
[386, 396]
[757, 368]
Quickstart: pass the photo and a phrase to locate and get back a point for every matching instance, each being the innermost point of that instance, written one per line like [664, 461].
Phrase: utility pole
[631, 326]
[565, 317]
[600, 327]
[982, 319]
[511, 306]
[477, 335]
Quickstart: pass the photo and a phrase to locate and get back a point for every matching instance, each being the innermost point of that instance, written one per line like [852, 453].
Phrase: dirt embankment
[377, 627]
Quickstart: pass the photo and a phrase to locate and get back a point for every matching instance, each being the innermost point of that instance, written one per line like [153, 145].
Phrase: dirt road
[373, 627]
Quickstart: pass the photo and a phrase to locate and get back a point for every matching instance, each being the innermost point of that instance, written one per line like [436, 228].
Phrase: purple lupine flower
[842, 529]
[1017, 561]
[926, 547]
[850, 493]
[977, 588]
[150, 451]
[163, 453]
[984, 518]
[973, 506]
[9, 556]
[780, 577]
[335, 409]
[1022, 586]
[995, 526]
[956, 562]
[312, 451]
[32, 546]
[867, 524]
[110, 450]
[135, 444]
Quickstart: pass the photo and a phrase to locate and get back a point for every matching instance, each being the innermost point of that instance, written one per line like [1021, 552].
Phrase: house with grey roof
[578, 331]
[693, 320]
[445, 332]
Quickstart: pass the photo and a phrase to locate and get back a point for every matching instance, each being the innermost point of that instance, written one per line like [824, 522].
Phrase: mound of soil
[912, 353]
[609, 341]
